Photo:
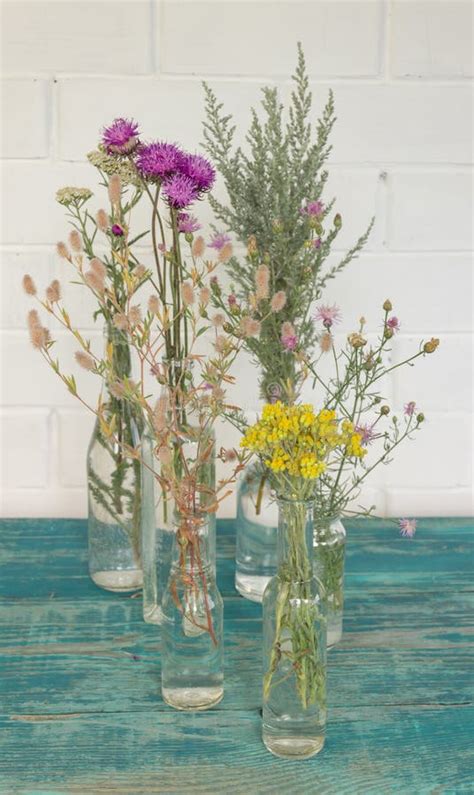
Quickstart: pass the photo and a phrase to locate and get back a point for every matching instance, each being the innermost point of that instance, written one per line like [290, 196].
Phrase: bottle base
[334, 633]
[152, 615]
[293, 747]
[251, 587]
[192, 698]
[118, 581]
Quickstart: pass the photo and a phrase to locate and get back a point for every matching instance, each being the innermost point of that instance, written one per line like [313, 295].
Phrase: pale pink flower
[278, 301]
[409, 408]
[407, 527]
[367, 433]
[393, 323]
[328, 315]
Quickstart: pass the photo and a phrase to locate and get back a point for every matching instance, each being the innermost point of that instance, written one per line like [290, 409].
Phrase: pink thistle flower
[393, 323]
[314, 209]
[288, 337]
[316, 243]
[158, 160]
[117, 230]
[219, 241]
[367, 433]
[180, 191]
[121, 137]
[409, 408]
[328, 315]
[199, 170]
[407, 527]
[232, 300]
[188, 223]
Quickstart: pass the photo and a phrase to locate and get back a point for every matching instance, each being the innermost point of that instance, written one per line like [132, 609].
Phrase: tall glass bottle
[329, 556]
[294, 641]
[192, 623]
[158, 526]
[114, 484]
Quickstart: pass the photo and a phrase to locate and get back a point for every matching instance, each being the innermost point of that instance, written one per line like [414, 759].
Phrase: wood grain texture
[81, 710]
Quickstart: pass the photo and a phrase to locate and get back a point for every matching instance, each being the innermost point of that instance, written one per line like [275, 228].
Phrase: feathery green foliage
[267, 186]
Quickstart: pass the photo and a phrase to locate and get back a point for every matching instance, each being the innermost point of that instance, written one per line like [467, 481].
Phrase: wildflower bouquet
[295, 444]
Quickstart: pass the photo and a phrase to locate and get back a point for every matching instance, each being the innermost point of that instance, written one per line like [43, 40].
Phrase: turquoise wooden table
[80, 673]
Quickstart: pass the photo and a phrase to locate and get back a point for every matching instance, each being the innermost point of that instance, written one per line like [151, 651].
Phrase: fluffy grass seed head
[28, 285]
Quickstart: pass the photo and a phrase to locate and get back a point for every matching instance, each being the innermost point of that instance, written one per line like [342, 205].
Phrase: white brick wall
[402, 150]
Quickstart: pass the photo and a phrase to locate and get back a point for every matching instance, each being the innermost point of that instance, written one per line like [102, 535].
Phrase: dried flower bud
[204, 295]
[218, 393]
[199, 247]
[384, 410]
[63, 250]
[140, 271]
[121, 321]
[53, 292]
[420, 417]
[98, 267]
[387, 306]
[117, 389]
[218, 320]
[229, 455]
[85, 360]
[94, 281]
[252, 245]
[262, 282]
[75, 241]
[153, 304]
[337, 221]
[187, 293]
[135, 315]
[388, 333]
[325, 342]
[225, 253]
[220, 343]
[356, 340]
[278, 301]
[28, 285]
[430, 347]
[115, 189]
[102, 220]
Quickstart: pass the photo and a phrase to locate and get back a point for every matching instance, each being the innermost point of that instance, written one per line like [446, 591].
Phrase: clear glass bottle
[158, 527]
[294, 641]
[329, 556]
[114, 485]
[192, 624]
[256, 533]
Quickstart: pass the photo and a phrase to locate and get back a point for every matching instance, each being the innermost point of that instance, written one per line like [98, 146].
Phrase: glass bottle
[256, 533]
[158, 507]
[294, 641]
[329, 556]
[192, 623]
[114, 484]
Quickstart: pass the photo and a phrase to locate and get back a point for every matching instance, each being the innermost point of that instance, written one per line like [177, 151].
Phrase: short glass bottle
[192, 620]
[114, 484]
[294, 641]
[256, 533]
[329, 558]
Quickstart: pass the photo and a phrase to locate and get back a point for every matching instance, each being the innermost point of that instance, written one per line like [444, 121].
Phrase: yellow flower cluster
[296, 441]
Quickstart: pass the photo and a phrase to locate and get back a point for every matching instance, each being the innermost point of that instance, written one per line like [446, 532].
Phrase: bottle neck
[194, 544]
[295, 539]
[117, 347]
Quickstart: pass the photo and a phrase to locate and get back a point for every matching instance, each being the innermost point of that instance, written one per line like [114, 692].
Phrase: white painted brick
[165, 109]
[53, 502]
[431, 39]
[75, 429]
[28, 381]
[425, 502]
[24, 122]
[430, 211]
[438, 382]
[356, 194]
[253, 38]
[74, 36]
[416, 285]
[398, 122]
[25, 450]
[439, 457]
[14, 303]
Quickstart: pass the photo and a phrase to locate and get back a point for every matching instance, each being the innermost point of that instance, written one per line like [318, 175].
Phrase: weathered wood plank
[371, 751]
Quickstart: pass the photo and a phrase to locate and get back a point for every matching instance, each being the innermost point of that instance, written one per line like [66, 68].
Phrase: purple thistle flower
[328, 315]
[158, 160]
[180, 191]
[409, 408]
[393, 323]
[314, 209]
[199, 170]
[121, 137]
[188, 223]
[316, 242]
[407, 527]
[219, 241]
[117, 230]
[367, 433]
